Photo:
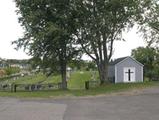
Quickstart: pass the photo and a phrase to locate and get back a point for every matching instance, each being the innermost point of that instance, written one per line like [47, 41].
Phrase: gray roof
[117, 61]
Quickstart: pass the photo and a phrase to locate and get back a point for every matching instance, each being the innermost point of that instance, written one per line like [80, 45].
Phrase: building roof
[116, 61]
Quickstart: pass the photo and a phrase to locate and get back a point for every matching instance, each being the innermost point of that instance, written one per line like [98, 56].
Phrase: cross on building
[129, 74]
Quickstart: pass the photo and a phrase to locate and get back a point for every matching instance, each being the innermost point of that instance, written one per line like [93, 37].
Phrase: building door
[129, 74]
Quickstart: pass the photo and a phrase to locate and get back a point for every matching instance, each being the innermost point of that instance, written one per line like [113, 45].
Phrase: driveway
[138, 105]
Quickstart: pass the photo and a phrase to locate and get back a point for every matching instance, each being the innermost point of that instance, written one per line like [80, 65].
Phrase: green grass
[105, 89]
[52, 79]
[77, 79]
[27, 79]
[75, 86]
[121, 87]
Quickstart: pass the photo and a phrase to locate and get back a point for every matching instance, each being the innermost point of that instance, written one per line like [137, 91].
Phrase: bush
[2, 73]
[12, 70]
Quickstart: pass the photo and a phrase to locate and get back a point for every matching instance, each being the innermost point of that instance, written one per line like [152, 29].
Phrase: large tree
[48, 25]
[101, 23]
[54, 26]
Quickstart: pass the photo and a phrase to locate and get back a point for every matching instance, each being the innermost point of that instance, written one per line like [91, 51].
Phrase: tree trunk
[63, 63]
[103, 72]
[63, 75]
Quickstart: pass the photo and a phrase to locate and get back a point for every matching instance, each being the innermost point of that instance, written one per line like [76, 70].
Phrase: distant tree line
[149, 57]
[10, 66]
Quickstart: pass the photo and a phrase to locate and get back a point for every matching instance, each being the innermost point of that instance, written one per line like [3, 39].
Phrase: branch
[111, 49]
[84, 47]
[95, 50]
[113, 36]
[156, 28]
[99, 47]
[104, 46]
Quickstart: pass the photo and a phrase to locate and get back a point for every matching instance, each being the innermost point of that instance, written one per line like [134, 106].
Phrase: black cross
[129, 74]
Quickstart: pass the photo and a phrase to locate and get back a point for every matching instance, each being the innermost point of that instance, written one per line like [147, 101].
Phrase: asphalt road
[141, 105]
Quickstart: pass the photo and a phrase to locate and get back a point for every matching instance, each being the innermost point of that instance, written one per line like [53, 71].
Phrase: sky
[11, 30]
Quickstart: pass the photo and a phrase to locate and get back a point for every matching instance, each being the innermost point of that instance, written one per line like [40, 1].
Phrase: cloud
[10, 30]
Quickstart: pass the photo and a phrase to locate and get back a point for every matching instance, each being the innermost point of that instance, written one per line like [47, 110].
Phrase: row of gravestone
[29, 87]
[91, 84]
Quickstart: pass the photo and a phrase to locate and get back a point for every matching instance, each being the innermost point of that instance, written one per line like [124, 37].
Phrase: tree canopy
[149, 57]
[55, 30]
[149, 24]
[102, 22]
[48, 33]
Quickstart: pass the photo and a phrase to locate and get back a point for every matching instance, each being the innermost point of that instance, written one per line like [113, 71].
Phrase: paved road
[125, 106]
[13, 109]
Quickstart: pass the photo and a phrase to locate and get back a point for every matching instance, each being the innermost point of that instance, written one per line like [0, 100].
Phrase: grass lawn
[32, 79]
[76, 80]
[27, 79]
[105, 89]
[52, 79]
[76, 85]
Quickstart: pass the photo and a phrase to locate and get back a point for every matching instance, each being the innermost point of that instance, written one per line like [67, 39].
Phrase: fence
[10, 77]
[5, 87]
[29, 87]
[155, 78]
[91, 84]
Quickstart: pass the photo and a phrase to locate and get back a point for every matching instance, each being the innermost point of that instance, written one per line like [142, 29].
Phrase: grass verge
[105, 89]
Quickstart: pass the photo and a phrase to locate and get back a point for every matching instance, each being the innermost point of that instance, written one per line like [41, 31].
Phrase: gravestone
[93, 75]
[68, 73]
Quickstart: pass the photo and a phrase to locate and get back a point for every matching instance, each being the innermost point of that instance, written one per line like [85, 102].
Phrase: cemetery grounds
[49, 86]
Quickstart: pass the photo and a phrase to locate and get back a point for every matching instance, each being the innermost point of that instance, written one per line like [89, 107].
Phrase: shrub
[12, 70]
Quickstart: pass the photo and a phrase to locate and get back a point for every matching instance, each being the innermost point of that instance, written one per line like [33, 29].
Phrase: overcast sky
[11, 30]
